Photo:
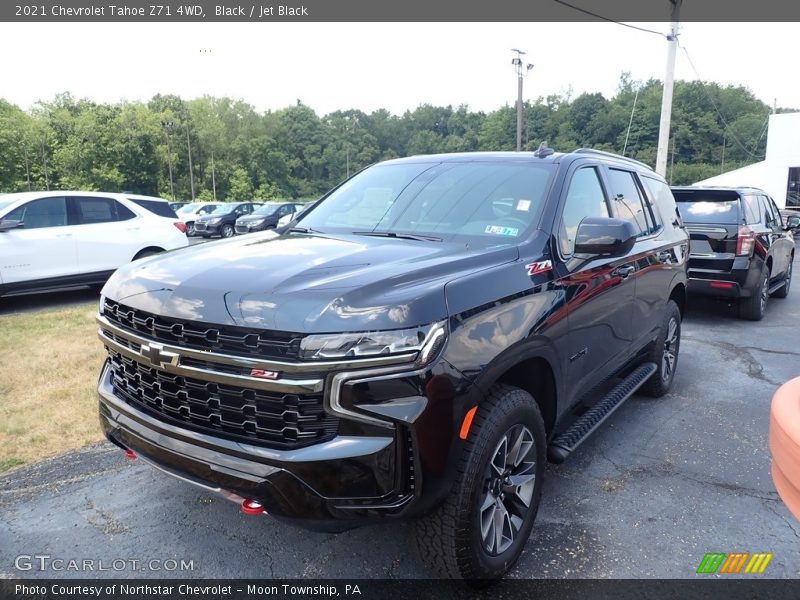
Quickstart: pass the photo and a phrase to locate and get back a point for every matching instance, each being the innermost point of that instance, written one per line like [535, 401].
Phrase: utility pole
[517, 62]
[168, 125]
[191, 172]
[666, 97]
[213, 177]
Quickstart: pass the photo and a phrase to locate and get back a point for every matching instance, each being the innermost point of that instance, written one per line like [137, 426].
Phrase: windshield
[4, 203]
[493, 201]
[187, 209]
[224, 209]
[267, 209]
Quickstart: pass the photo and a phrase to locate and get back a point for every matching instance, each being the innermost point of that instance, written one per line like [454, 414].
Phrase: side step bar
[566, 442]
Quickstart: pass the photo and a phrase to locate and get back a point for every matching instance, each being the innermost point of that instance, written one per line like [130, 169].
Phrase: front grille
[238, 341]
[199, 226]
[272, 419]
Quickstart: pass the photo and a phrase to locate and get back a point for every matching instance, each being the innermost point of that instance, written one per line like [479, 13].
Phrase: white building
[779, 173]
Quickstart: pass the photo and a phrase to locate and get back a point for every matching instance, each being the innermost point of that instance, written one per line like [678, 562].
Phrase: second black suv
[444, 326]
[740, 246]
[222, 220]
[265, 216]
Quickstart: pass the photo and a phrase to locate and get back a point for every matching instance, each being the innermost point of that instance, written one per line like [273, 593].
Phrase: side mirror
[793, 222]
[10, 224]
[604, 237]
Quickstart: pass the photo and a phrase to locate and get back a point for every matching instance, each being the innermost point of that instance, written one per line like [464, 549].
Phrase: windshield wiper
[303, 230]
[400, 236]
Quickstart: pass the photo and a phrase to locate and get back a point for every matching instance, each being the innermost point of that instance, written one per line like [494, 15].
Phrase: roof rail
[612, 155]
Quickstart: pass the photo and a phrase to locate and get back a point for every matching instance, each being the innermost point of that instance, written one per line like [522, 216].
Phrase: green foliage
[240, 154]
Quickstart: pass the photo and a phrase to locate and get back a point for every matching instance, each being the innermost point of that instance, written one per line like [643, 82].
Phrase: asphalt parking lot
[661, 484]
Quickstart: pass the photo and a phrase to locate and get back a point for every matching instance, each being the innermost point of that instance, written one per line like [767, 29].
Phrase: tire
[665, 353]
[783, 291]
[226, 231]
[753, 308]
[452, 539]
[190, 231]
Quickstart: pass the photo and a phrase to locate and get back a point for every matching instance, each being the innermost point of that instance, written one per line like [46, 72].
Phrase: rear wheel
[783, 291]
[665, 353]
[480, 529]
[753, 308]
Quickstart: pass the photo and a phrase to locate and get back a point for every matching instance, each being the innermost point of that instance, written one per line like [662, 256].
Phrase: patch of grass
[10, 463]
[49, 364]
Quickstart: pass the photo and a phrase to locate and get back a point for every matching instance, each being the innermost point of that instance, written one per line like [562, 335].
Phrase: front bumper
[248, 227]
[367, 471]
[206, 229]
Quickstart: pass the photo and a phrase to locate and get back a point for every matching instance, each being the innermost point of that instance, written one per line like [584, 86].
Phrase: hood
[303, 283]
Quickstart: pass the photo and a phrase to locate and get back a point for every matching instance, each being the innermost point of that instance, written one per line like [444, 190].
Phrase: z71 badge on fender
[539, 267]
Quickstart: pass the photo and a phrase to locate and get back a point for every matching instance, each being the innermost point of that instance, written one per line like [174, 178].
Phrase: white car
[58, 239]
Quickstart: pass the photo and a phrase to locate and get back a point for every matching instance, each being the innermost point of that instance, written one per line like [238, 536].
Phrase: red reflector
[252, 507]
[721, 284]
[181, 226]
[130, 454]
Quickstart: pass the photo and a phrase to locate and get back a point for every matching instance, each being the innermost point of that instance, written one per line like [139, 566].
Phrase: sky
[397, 66]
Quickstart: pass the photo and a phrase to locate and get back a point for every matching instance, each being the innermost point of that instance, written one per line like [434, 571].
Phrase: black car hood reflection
[303, 283]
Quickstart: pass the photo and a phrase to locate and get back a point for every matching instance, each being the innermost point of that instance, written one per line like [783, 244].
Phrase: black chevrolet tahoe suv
[417, 344]
[740, 246]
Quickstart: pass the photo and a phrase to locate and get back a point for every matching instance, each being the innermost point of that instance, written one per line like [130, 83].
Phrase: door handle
[624, 271]
[665, 256]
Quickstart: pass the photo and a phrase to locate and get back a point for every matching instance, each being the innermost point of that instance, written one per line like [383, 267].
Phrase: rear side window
[751, 209]
[99, 210]
[709, 206]
[47, 212]
[664, 208]
[162, 209]
[629, 202]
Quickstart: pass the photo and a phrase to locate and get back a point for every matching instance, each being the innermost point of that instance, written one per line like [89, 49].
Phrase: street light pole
[517, 62]
[168, 125]
[189, 146]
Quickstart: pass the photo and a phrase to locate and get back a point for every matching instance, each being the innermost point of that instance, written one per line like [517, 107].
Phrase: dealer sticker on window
[497, 230]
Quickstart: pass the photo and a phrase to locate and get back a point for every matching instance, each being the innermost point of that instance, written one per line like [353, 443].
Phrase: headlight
[426, 340]
[256, 223]
[214, 221]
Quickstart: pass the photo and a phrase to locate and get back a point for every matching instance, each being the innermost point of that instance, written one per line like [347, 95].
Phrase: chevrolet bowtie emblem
[159, 357]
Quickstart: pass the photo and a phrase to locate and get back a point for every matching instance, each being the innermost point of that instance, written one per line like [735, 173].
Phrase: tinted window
[47, 212]
[664, 208]
[266, 209]
[585, 198]
[752, 212]
[224, 209]
[628, 200]
[157, 207]
[100, 210]
[709, 206]
[774, 215]
[489, 201]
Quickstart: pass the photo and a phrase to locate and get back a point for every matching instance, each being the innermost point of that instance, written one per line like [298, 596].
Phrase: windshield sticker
[524, 205]
[497, 230]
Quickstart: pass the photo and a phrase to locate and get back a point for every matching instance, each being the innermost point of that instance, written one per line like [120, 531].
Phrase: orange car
[784, 443]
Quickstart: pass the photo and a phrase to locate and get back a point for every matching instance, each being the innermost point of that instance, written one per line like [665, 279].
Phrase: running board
[777, 286]
[566, 442]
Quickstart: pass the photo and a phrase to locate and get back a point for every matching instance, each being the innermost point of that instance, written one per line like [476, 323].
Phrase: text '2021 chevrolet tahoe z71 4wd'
[417, 345]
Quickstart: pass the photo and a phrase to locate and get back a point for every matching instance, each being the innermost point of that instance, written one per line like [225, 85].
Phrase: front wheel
[190, 231]
[226, 231]
[665, 353]
[481, 528]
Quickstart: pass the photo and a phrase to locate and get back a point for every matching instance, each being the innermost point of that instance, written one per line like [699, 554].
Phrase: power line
[719, 113]
[601, 17]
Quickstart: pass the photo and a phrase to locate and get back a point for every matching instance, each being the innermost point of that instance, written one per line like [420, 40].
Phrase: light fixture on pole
[518, 65]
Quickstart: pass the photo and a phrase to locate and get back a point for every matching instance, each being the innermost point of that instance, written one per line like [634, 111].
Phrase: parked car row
[225, 219]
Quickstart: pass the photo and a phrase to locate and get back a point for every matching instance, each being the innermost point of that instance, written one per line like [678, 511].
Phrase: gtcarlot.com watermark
[45, 562]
